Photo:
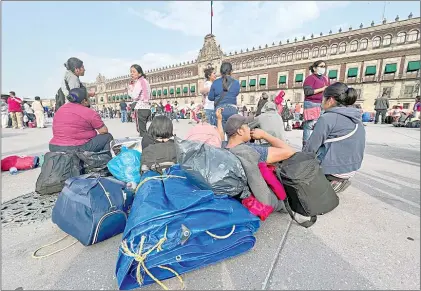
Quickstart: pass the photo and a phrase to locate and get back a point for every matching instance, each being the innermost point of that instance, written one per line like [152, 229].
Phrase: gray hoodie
[73, 82]
[270, 121]
[343, 156]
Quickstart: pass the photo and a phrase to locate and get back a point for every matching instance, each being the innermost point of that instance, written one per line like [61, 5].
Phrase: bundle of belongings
[296, 184]
[407, 120]
[60, 166]
[179, 228]
[19, 162]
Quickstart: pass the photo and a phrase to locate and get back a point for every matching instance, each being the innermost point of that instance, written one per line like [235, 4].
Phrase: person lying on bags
[338, 138]
[250, 155]
[76, 127]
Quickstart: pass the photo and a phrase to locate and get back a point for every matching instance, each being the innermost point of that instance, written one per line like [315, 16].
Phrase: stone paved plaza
[370, 241]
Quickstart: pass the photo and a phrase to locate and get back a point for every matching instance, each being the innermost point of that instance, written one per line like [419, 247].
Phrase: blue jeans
[228, 111]
[210, 116]
[123, 116]
[308, 127]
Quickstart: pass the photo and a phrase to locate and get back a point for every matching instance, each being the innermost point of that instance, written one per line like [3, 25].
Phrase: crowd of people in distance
[17, 113]
[332, 123]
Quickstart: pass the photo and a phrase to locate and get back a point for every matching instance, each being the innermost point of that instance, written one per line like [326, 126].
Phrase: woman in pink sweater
[140, 91]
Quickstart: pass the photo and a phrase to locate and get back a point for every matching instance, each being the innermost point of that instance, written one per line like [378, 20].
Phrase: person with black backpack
[338, 138]
[75, 69]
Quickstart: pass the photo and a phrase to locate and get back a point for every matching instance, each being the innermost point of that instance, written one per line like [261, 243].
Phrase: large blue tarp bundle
[174, 227]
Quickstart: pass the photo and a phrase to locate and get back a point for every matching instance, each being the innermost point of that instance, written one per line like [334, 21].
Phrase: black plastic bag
[212, 168]
[95, 162]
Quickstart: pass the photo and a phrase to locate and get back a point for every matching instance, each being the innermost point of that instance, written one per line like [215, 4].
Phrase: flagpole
[211, 15]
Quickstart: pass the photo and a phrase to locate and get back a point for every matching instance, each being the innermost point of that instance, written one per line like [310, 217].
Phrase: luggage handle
[35, 256]
[305, 224]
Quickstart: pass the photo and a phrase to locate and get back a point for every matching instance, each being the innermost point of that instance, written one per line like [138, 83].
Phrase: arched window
[256, 62]
[269, 60]
[305, 53]
[354, 46]
[298, 55]
[323, 51]
[334, 49]
[401, 37]
[387, 40]
[262, 61]
[249, 64]
[275, 59]
[315, 52]
[289, 57]
[376, 42]
[342, 48]
[283, 57]
[243, 65]
[413, 35]
[363, 44]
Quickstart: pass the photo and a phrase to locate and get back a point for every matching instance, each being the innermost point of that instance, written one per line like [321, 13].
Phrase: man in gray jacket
[380, 106]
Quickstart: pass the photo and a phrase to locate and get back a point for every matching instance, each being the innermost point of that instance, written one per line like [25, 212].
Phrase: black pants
[381, 112]
[99, 143]
[142, 120]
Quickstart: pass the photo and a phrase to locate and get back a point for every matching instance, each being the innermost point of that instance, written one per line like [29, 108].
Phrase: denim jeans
[123, 116]
[210, 116]
[228, 111]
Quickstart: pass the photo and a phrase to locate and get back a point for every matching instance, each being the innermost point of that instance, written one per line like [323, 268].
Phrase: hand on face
[257, 133]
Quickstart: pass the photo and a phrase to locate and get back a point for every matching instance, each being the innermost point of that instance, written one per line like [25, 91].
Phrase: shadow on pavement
[300, 262]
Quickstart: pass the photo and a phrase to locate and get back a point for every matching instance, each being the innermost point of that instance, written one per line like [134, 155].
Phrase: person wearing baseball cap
[250, 155]
[238, 132]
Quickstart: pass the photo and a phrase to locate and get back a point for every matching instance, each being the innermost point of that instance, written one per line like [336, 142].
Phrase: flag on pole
[211, 8]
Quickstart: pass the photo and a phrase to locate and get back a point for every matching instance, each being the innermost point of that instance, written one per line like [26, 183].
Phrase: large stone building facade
[375, 59]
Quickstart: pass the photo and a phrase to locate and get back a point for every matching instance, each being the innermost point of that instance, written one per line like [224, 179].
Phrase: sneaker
[22, 127]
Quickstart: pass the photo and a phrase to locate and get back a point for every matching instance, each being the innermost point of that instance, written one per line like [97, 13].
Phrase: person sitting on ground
[250, 155]
[76, 127]
[158, 147]
[338, 138]
[269, 121]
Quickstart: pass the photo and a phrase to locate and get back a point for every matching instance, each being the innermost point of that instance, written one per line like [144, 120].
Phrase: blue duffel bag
[92, 209]
[175, 228]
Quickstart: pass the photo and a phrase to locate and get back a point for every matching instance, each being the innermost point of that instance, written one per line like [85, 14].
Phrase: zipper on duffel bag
[102, 219]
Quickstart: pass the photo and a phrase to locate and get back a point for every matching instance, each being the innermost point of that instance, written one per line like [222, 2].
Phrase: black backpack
[309, 193]
[56, 169]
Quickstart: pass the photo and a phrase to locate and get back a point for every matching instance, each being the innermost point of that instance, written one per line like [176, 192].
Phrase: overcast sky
[38, 37]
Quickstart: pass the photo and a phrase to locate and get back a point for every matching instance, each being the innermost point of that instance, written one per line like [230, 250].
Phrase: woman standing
[139, 90]
[208, 105]
[224, 92]
[314, 86]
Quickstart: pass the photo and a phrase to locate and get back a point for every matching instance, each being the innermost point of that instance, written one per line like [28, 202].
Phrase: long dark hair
[161, 127]
[73, 63]
[315, 65]
[139, 70]
[226, 69]
[208, 73]
[343, 95]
